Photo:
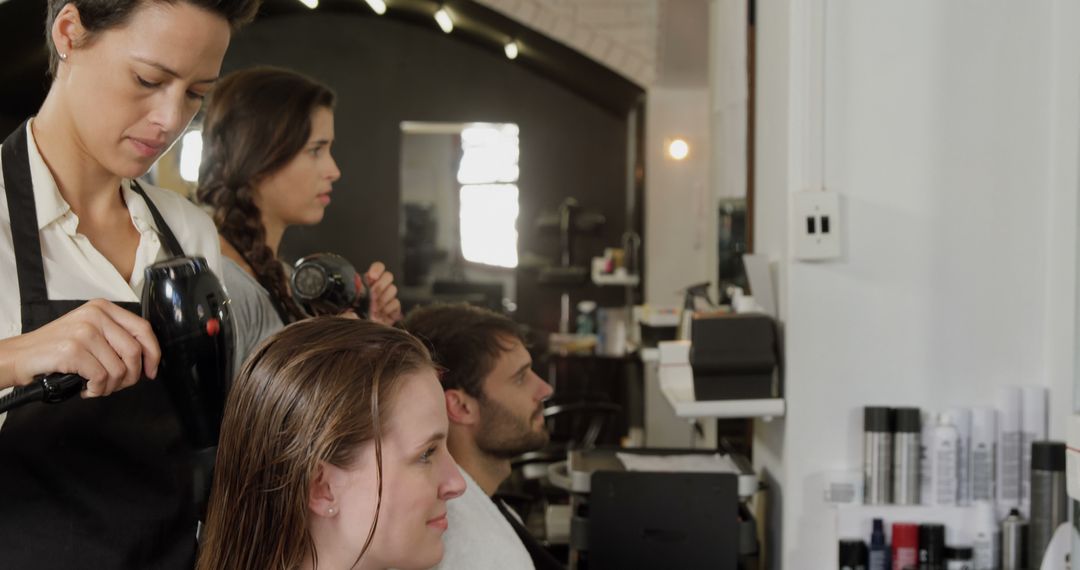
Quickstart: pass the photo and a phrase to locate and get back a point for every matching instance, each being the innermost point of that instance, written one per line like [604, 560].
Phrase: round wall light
[678, 149]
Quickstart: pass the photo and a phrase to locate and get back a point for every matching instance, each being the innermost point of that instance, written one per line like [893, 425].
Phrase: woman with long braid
[266, 165]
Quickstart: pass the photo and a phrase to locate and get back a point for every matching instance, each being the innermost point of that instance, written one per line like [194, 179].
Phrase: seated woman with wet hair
[333, 454]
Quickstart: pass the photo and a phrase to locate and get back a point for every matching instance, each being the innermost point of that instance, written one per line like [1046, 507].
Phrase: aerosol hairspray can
[1013, 541]
[931, 546]
[877, 455]
[983, 451]
[906, 450]
[926, 464]
[945, 459]
[961, 420]
[987, 536]
[1049, 502]
[1008, 450]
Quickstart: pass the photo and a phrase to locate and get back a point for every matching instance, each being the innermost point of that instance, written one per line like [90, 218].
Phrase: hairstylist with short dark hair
[101, 482]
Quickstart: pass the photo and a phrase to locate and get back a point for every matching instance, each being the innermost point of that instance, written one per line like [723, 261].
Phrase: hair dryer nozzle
[326, 284]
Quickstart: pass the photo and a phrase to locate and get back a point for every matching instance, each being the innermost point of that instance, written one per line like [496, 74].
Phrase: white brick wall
[621, 34]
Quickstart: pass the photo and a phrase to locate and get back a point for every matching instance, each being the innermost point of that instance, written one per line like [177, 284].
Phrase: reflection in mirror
[731, 247]
[459, 209]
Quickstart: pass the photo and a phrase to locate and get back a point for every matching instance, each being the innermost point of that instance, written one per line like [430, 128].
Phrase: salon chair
[574, 425]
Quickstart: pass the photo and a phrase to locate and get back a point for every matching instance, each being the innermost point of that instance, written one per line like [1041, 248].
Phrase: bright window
[488, 224]
[488, 175]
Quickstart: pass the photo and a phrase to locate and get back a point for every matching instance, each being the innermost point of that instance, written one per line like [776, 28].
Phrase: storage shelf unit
[856, 521]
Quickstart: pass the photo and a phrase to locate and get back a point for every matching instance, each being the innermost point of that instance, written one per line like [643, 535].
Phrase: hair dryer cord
[51, 389]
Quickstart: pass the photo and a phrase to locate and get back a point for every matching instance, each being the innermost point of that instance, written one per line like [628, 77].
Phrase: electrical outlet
[815, 229]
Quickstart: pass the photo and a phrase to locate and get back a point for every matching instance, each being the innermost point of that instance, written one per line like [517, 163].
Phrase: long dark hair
[311, 393]
[257, 120]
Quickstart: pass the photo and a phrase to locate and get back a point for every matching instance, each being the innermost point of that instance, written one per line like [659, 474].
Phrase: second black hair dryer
[326, 284]
[186, 306]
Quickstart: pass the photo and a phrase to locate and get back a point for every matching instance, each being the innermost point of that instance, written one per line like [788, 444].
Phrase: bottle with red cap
[905, 546]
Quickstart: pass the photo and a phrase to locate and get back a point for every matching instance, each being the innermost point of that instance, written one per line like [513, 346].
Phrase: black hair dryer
[188, 309]
[326, 284]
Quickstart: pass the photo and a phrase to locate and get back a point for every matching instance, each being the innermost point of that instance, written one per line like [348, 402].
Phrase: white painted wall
[706, 103]
[776, 171]
[949, 129]
[680, 247]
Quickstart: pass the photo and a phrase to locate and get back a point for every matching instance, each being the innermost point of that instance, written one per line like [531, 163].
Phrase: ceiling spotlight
[310, 3]
[678, 149]
[511, 49]
[446, 23]
[377, 6]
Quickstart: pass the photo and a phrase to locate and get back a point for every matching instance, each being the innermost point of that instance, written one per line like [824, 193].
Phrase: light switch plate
[815, 226]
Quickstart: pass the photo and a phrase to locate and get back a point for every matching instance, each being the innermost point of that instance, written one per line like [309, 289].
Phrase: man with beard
[495, 403]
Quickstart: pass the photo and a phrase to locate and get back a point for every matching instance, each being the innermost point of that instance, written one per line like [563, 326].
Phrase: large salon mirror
[459, 213]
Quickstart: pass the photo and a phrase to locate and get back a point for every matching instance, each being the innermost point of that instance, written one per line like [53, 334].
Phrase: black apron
[94, 483]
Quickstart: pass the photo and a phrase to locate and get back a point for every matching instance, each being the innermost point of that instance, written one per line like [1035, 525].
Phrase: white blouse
[74, 268]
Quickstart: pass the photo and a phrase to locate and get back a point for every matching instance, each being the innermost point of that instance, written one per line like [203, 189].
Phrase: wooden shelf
[620, 279]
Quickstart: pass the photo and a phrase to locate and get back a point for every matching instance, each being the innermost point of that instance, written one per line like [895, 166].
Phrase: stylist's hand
[107, 345]
[383, 304]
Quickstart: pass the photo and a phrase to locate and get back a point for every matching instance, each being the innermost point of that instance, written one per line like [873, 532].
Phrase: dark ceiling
[23, 80]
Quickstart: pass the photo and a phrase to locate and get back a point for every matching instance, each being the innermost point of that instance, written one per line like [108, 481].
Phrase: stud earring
[63, 56]
[330, 511]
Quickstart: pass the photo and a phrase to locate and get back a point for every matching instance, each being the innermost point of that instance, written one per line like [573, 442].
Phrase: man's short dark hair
[466, 341]
[100, 15]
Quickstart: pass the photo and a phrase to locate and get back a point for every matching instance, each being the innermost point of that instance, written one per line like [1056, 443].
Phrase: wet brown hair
[314, 392]
[100, 15]
[257, 120]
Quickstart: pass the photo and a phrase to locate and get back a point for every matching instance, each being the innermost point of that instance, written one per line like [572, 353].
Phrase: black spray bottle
[879, 558]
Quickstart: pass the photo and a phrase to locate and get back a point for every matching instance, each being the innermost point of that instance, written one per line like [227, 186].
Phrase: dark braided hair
[257, 120]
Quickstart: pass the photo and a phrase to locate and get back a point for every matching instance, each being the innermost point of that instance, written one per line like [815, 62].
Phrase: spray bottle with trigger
[693, 293]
